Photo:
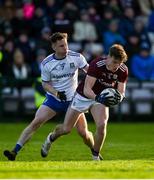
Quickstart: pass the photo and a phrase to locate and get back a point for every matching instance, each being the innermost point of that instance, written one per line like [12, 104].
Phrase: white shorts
[81, 103]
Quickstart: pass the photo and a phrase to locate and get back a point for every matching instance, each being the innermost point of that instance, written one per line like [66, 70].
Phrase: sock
[94, 153]
[17, 148]
[51, 138]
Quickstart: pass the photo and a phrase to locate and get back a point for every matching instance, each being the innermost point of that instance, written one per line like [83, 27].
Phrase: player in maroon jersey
[109, 72]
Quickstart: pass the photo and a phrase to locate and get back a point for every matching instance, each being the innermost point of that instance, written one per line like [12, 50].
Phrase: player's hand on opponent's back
[61, 95]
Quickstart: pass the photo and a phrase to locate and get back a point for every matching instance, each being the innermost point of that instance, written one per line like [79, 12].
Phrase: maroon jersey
[105, 78]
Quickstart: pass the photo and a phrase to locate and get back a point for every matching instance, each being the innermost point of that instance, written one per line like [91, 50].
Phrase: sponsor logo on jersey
[63, 75]
[101, 81]
[110, 76]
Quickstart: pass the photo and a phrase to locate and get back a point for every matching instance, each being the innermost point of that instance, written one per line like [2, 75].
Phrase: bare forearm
[48, 88]
[89, 93]
[89, 83]
[121, 88]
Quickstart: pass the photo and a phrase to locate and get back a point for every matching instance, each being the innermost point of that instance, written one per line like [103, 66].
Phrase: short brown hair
[57, 36]
[117, 51]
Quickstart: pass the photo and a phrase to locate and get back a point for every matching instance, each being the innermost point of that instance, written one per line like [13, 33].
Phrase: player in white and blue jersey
[59, 73]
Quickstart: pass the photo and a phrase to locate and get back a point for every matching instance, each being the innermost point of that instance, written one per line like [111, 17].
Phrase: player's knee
[101, 127]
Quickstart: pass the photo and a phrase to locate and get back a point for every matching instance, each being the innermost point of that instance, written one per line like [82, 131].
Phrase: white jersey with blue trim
[63, 73]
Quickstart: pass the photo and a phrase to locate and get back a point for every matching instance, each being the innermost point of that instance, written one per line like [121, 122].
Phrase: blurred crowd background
[92, 25]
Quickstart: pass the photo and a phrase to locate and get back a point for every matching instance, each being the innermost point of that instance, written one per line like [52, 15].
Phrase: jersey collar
[58, 58]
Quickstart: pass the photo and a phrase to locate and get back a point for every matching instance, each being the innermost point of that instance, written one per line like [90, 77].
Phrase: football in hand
[108, 92]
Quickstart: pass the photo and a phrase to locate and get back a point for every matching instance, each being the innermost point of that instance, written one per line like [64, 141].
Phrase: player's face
[113, 64]
[61, 47]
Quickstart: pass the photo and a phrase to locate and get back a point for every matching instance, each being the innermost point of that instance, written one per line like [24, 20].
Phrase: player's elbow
[44, 85]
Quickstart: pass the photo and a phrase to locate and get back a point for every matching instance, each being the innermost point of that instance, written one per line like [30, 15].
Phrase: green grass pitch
[128, 153]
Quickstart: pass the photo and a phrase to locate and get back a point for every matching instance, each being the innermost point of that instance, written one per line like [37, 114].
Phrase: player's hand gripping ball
[109, 97]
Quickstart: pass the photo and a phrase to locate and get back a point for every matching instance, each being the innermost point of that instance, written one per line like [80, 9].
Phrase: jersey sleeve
[45, 74]
[82, 61]
[93, 70]
[124, 76]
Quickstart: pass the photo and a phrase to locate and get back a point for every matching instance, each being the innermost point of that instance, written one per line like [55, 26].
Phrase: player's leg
[100, 114]
[82, 128]
[61, 129]
[43, 114]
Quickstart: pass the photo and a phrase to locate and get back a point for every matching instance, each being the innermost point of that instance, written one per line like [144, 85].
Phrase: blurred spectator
[20, 70]
[28, 9]
[101, 6]
[36, 65]
[2, 40]
[134, 4]
[115, 7]
[7, 10]
[142, 64]
[141, 30]
[84, 30]
[61, 23]
[151, 37]
[112, 36]
[18, 23]
[92, 51]
[126, 24]
[132, 47]
[7, 13]
[146, 6]
[71, 11]
[51, 8]
[94, 17]
[151, 22]
[8, 33]
[24, 44]
[27, 25]
[43, 42]
[107, 16]
[39, 21]
[7, 59]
